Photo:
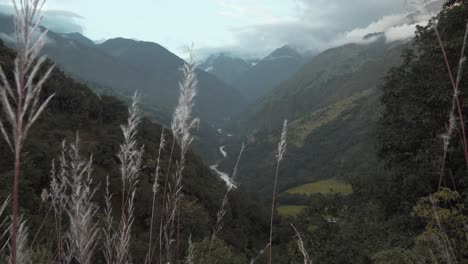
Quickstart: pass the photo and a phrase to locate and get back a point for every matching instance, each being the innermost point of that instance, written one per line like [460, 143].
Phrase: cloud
[241, 9]
[321, 24]
[10, 39]
[59, 21]
[63, 21]
[358, 35]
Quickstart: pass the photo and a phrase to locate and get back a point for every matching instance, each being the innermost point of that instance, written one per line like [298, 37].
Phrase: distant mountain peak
[78, 37]
[285, 52]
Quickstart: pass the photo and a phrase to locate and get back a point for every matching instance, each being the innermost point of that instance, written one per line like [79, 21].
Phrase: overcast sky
[248, 27]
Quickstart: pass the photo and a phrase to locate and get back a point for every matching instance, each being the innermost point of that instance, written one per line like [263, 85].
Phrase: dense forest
[406, 210]
[385, 120]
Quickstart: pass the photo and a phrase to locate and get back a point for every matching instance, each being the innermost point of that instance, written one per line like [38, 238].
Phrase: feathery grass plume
[57, 195]
[108, 230]
[20, 102]
[456, 105]
[181, 125]
[301, 247]
[130, 156]
[4, 225]
[23, 251]
[83, 232]
[279, 157]
[222, 211]
[162, 143]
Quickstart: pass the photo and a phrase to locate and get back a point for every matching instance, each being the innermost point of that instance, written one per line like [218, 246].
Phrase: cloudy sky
[247, 27]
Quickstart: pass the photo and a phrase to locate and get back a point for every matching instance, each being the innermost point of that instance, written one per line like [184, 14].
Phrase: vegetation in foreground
[412, 210]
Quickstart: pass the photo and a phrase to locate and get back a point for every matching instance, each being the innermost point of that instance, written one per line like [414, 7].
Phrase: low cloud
[63, 21]
[59, 21]
[10, 39]
[322, 24]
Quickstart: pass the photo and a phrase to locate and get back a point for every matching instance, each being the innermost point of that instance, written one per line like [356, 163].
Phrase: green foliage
[417, 98]
[445, 234]
[220, 253]
[394, 256]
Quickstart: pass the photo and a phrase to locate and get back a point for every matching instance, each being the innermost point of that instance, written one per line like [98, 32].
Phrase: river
[224, 176]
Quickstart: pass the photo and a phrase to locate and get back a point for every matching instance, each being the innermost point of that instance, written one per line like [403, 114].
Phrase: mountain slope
[332, 106]
[79, 38]
[225, 67]
[269, 72]
[146, 67]
[75, 108]
[215, 102]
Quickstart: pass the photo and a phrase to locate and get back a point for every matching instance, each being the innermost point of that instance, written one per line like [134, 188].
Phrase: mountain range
[330, 100]
[123, 66]
[332, 104]
[255, 78]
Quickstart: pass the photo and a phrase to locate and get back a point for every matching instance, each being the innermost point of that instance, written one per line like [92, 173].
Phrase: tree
[417, 98]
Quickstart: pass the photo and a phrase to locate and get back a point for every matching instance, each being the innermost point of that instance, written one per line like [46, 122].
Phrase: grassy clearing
[290, 210]
[323, 187]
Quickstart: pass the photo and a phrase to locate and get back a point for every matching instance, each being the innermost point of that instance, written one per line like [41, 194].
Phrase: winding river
[224, 176]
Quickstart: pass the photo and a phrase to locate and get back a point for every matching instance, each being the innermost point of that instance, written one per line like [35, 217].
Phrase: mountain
[226, 67]
[79, 38]
[332, 104]
[269, 72]
[97, 119]
[125, 66]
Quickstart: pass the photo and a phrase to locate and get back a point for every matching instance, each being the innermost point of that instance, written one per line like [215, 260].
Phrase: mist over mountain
[269, 72]
[256, 78]
[226, 67]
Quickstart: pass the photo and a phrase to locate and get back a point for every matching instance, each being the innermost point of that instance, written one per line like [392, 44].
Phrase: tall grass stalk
[4, 225]
[279, 157]
[301, 247]
[162, 143]
[83, 233]
[456, 106]
[20, 102]
[442, 240]
[164, 212]
[58, 197]
[222, 211]
[108, 230]
[130, 157]
[182, 124]
[23, 252]
[260, 254]
[190, 253]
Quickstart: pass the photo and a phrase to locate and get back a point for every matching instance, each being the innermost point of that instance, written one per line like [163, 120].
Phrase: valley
[289, 144]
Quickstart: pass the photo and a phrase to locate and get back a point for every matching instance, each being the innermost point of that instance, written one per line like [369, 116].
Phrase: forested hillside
[76, 110]
[410, 208]
[332, 105]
